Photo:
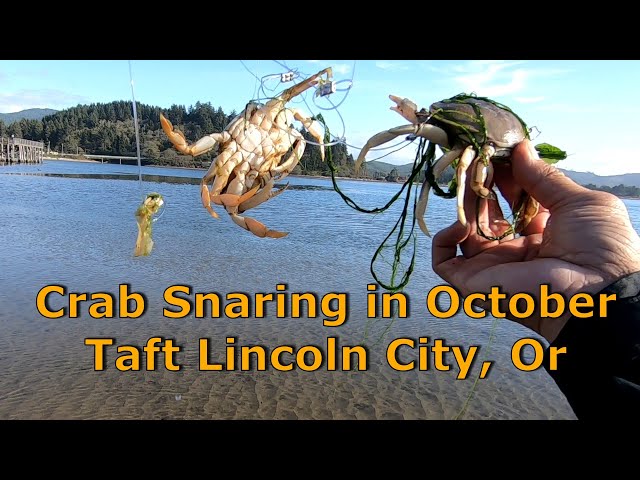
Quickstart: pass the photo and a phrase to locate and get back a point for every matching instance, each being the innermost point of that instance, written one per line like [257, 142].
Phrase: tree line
[619, 190]
[108, 129]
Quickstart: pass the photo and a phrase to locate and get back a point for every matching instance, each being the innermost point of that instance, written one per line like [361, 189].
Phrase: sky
[588, 108]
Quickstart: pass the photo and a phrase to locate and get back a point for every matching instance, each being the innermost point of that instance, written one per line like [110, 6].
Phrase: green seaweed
[400, 237]
[549, 153]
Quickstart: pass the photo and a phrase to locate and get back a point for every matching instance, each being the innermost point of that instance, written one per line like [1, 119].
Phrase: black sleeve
[600, 372]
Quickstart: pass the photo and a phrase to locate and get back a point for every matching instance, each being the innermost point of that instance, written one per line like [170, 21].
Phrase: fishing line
[282, 65]
[492, 333]
[265, 97]
[135, 122]
[159, 214]
[247, 69]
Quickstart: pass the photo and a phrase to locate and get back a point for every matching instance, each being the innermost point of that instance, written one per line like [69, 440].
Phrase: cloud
[391, 66]
[341, 68]
[494, 78]
[42, 98]
[471, 66]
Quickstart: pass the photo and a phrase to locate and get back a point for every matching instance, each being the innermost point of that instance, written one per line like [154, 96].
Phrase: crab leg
[233, 196]
[441, 164]
[529, 210]
[430, 132]
[201, 146]
[405, 107]
[466, 159]
[262, 196]
[232, 200]
[482, 169]
[257, 228]
[220, 176]
[290, 163]
[297, 89]
[211, 175]
[313, 127]
[223, 171]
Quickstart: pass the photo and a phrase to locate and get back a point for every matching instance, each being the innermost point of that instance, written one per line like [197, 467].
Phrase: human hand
[580, 241]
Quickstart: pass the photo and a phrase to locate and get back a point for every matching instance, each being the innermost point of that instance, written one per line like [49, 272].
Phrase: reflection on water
[151, 178]
[72, 224]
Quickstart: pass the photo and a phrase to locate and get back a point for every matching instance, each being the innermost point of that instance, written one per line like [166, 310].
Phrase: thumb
[542, 181]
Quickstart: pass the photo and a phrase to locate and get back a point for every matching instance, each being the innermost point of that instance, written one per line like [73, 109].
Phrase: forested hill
[108, 129]
[30, 113]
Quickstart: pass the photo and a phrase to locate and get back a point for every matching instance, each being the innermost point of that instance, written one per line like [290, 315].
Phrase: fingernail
[532, 150]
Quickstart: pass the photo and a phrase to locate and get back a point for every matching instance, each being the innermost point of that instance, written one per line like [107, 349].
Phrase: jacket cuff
[600, 371]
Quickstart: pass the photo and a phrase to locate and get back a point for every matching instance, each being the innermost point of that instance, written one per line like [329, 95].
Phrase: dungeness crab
[251, 147]
[473, 132]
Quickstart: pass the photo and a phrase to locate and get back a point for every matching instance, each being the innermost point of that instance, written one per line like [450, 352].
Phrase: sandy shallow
[66, 159]
[48, 374]
[82, 237]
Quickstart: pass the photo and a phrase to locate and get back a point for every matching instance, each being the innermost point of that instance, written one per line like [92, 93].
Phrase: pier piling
[19, 150]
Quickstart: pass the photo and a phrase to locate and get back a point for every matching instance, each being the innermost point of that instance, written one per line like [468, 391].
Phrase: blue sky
[588, 108]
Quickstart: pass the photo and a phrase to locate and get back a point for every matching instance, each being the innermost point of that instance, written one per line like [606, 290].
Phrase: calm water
[61, 225]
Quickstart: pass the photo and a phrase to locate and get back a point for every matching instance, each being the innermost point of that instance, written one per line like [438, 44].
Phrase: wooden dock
[19, 150]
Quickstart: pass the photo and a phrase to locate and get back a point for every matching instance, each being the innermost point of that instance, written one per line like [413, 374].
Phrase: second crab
[251, 147]
[473, 132]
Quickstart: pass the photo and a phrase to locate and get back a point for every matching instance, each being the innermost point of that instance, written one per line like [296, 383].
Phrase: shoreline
[67, 159]
[320, 177]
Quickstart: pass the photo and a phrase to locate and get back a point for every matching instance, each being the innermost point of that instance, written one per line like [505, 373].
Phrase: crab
[473, 131]
[250, 150]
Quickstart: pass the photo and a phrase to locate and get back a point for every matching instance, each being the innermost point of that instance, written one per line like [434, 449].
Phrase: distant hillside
[586, 178]
[583, 178]
[383, 168]
[107, 128]
[29, 114]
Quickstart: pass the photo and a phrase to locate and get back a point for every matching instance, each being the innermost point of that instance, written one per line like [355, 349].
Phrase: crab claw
[430, 132]
[405, 107]
[257, 228]
[267, 193]
[203, 145]
[232, 200]
[176, 137]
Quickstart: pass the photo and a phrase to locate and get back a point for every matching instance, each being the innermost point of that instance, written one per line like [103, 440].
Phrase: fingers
[503, 177]
[444, 250]
[542, 181]
[538, 223]
[513, 194]
[484, 215]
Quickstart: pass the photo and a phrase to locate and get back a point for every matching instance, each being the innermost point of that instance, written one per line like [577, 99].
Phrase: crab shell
[503, 129]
